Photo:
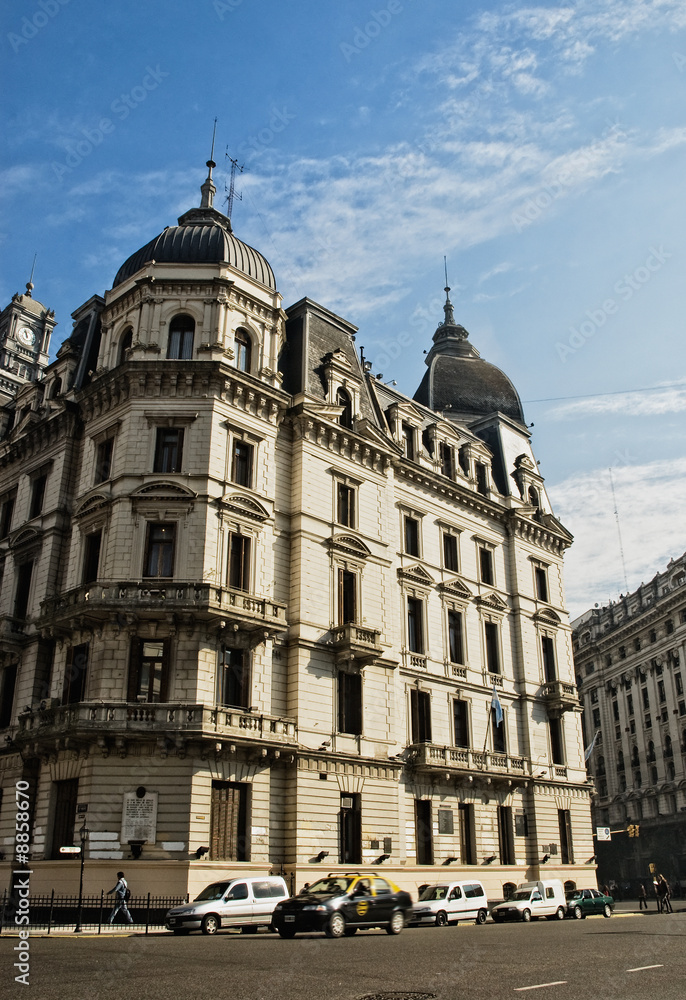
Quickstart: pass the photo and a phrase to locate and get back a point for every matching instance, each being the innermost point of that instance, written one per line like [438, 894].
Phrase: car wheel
[607, 910]
[210, 924]
[441, 918]
[336, 926]
[250, 929]
[578, 913]
[287, 932]
[397, 922]
[349, 931]
[481, 917]
[559, 913]
[526, 916]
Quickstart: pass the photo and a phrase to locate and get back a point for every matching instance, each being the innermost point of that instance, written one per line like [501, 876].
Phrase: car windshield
[521, 894]
[434, 892]
[574, 894]
[329, 886]
[214, 891]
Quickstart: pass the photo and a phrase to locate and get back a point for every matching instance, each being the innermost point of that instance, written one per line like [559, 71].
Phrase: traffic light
[632, 829]
[651, 868]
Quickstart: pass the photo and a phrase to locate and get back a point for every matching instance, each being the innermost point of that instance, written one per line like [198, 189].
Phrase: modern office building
[261, 611]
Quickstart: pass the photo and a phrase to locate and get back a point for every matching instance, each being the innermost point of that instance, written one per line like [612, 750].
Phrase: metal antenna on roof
[231, 192]
[214, 133]
[448, 307]
[619, 533]
[29, 283]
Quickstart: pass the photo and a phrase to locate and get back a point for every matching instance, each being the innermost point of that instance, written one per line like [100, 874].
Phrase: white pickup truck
[533, 899]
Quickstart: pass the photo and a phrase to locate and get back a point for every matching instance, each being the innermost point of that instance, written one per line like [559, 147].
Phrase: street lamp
[83, 834]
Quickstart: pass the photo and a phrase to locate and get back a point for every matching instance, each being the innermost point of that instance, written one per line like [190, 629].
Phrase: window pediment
[416, 574]
[456, 588]
[350, 545]
[239, 503]
[547, 617]
[92, 504]
[25, 539]
[492, 602]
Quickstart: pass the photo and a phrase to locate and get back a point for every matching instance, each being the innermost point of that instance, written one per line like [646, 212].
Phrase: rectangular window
[148, 671]
[37, 496]
[467, 834]
[596, 718]
[159, 550]
[415, 625]
[662, 697]
[350, 829]
[350, 703]
[447, 458]
[23, 589]
[455, 637]
[234, 678]
[450, 554]
[679, 684]
[630, 704]
[556, 741]
[91, 557]
[541, 583]
[64, 816]
[229, 821]
[75, 673]
[6, 517]
[242, 463]
[461, 723]
[424, 832]
[8, 680]
[103, 461]
[645, 697]
[481, 478]
[239, 562]
[412, 536]
[420, 710]
[408, 442]
[548, 650]
[506, 835]
[168, 449]
[345, 505]
[347, 597]
[498, 733]
[565, 824]
[492, 647]
[486, 566]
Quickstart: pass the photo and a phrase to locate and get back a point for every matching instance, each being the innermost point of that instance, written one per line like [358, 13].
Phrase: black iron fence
[53, 912]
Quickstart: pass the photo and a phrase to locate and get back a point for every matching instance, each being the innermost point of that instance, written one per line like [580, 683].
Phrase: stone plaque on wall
[139, 817]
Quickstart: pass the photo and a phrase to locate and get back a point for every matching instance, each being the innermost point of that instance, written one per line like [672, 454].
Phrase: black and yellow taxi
[340, 905]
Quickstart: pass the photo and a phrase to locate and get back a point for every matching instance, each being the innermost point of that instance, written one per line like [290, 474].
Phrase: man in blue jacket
[121, 893]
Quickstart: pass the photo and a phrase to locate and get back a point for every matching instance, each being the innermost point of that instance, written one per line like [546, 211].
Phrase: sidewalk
[630, 906]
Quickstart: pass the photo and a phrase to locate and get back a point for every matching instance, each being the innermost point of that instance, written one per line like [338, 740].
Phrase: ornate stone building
[255, 604]
[629, 659]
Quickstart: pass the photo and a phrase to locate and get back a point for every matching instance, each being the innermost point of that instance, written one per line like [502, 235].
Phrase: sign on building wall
[603, 833]
[139, 817]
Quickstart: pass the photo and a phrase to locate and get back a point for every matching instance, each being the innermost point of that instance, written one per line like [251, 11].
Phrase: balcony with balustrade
[358, 643]
[433, 759]
[560, 697]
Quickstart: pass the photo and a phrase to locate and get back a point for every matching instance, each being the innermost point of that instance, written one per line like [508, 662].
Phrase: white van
[449, 902]
[533, 899]
[235, 902]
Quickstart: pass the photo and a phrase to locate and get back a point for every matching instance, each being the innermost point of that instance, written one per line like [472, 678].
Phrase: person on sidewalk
[122, 895]
[642, 898]
[665, 894]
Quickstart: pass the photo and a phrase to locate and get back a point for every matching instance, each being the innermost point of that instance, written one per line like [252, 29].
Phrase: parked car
[242, 902]
[581, 902]
[449, 902]
[532, 900]
[341, 904]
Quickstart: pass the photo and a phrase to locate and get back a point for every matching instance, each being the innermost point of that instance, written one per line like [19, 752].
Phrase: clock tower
[26, 326]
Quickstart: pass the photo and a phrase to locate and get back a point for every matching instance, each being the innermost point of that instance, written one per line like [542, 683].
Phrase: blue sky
[540, 148]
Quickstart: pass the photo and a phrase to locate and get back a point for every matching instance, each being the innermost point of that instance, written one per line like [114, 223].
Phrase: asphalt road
[591, 958]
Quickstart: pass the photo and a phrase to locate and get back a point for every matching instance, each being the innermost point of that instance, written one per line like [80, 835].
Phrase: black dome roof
[203, 236]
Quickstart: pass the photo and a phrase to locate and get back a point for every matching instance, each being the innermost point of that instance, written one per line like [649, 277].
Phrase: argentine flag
[496, 707]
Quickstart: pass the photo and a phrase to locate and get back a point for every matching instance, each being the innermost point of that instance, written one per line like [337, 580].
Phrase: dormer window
[533, 497]
[343, 399]
[181, 333]
[447, 459]
[242, 345]
[408, 442]
[124, 345]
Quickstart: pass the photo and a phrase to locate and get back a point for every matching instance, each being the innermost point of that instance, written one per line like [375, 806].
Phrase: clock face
[26, 336]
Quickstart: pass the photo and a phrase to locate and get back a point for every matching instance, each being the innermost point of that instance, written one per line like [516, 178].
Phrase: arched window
[181, 332]
[55, 388]
[343, 399]
[242, 345]
[620, 760]
[634, 758]
[668, 752]
[570, 886]
[651, 751]
[508, 889]
[600, 768]
[533, 496]
[124, 345]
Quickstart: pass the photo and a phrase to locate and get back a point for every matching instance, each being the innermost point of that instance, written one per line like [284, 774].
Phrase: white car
[235, 902]
[449, 902]
[532, 900]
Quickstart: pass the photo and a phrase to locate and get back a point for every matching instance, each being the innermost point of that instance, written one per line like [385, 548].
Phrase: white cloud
[627, 404]
[651, 502]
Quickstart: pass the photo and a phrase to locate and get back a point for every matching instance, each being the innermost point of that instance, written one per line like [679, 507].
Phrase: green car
[582, 902]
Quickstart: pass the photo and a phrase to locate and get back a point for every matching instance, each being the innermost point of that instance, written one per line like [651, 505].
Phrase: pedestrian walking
[642, 898]
[122, 894]
[665, 894]
[656, 890]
